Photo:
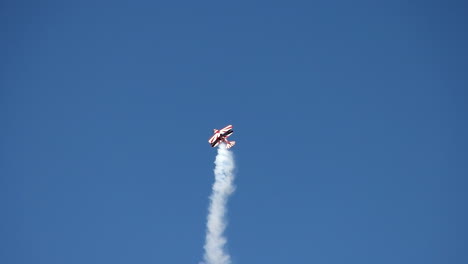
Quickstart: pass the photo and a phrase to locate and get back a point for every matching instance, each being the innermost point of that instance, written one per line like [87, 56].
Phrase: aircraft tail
[230, 144]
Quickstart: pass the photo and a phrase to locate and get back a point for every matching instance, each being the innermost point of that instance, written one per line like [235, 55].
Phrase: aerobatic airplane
[221, 136]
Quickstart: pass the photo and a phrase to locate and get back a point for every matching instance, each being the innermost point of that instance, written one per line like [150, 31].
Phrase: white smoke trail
[223, 187]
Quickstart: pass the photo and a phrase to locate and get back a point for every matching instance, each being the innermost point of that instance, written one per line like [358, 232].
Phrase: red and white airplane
[221, 136]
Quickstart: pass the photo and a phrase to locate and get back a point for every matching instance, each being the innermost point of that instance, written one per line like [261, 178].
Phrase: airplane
[221, 136]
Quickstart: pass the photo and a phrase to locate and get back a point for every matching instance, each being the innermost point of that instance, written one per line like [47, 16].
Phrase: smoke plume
[223, 187]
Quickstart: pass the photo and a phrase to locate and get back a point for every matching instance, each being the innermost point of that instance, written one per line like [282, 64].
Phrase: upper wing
[226, 129]
[213, 138]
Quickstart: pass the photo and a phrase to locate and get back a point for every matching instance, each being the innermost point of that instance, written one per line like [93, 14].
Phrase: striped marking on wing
[213, 138]
[226, 129]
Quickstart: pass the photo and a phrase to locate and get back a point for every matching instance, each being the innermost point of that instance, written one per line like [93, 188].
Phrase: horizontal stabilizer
[230, 144]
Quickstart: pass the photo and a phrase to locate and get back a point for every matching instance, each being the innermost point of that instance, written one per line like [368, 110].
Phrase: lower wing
[215, 143]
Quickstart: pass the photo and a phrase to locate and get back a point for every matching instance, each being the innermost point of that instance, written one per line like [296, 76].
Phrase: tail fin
[230, 144]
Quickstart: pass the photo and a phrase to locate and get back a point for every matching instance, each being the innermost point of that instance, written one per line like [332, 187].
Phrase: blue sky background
[349, 116]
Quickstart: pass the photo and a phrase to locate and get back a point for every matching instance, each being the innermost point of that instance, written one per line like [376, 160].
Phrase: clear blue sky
[350, 119]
